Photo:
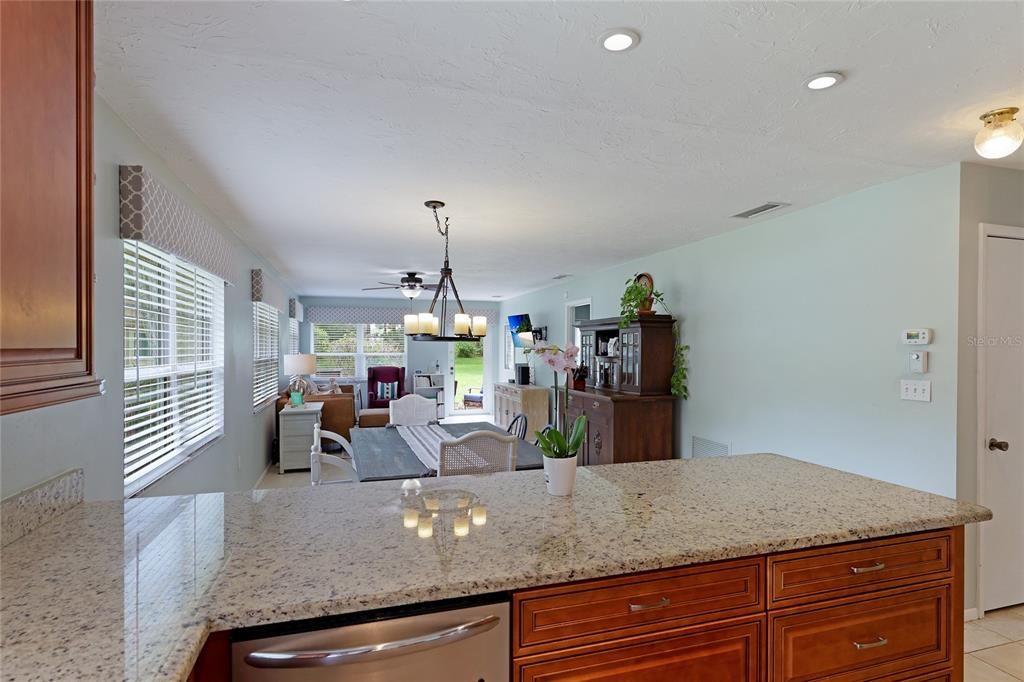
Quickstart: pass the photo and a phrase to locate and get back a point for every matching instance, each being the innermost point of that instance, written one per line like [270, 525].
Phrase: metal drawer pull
[857, 570]
[370, 652]
[881, 641]
[660, 604]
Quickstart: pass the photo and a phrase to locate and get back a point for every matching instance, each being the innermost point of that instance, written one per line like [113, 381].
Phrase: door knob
[994, 444]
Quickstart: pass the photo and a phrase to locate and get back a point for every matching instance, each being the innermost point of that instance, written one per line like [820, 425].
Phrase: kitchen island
[132, 591]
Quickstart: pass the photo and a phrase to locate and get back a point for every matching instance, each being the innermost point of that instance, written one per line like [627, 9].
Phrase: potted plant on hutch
[638, 299]
[561, 443]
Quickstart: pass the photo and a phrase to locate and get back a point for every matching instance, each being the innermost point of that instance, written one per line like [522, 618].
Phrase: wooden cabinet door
[587, 340]
[46, 213]
[730, 653]
[629, 352]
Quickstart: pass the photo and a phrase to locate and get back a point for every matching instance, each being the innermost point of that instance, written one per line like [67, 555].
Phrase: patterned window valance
[264, 291]
[153, 214]
[325, 314]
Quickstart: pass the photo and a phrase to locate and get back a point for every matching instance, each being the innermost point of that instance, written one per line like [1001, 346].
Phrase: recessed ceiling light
[823, 81]
[620, 39]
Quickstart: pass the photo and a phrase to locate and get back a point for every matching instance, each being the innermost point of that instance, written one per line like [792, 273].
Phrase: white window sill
[140, 486]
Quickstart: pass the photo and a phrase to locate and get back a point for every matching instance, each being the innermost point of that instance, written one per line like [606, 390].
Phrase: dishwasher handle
[370, 652]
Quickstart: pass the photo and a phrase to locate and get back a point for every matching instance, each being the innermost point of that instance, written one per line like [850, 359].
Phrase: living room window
[266, 347]
[173, 362]
[293, 335]
[345, 350]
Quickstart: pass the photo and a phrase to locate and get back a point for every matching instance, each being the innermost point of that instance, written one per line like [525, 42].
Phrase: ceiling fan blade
[376, 288]
[429, 286]
[389, 284]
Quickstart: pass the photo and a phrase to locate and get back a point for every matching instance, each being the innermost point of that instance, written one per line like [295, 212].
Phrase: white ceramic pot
[560, 475]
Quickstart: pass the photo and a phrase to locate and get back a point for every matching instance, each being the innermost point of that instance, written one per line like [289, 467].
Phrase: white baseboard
[259, 481]
[970, 614]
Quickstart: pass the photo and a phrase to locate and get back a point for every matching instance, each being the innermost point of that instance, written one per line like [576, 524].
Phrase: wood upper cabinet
[46, 213]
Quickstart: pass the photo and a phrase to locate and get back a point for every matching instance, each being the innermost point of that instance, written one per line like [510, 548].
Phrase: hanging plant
[639, 298]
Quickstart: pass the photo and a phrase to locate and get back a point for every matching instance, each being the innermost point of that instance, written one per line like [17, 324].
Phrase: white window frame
[359, 354]
[185, 417]
[266, 354]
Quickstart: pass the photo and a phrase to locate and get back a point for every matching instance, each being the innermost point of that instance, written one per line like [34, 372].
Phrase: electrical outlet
[916, 390]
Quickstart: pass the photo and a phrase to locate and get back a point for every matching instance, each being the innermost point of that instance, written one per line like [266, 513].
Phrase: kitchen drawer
[605, 609]
[718, 653]
[945, 676]
[819, 574]
[865, 640]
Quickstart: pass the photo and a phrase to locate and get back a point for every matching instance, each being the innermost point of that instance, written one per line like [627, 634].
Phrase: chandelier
[430, 327]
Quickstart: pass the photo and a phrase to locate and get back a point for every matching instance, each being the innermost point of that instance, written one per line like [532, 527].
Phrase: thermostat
[917, 337]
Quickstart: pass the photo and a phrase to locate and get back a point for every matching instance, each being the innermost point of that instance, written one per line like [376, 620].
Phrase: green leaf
[559, 441]
[579, 432]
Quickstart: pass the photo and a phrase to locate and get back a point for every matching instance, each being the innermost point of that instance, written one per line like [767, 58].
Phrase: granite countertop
[130, 591]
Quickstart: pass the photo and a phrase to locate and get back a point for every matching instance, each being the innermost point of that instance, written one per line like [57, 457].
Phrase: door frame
[985, 230]
[569, 305]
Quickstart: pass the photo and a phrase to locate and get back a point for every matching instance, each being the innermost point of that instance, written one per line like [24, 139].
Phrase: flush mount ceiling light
[620, 39]
[1000, 135]
[823, 81]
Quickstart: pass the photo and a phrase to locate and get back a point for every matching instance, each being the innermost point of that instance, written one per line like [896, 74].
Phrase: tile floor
[994, 647]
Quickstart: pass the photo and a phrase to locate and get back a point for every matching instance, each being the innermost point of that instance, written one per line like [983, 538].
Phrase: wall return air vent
[760, 210]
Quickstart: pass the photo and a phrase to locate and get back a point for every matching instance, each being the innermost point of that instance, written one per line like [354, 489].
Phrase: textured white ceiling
[317, 130]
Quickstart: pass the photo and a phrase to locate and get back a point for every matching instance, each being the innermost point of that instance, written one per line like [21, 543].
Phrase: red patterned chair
[384, 375]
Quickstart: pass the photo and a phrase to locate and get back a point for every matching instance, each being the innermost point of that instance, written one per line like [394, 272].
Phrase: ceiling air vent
[760, 210]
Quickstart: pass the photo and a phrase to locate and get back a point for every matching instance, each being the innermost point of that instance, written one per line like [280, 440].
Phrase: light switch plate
[916, 390]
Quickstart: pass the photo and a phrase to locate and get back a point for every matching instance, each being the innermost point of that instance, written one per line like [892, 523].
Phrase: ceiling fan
[411, 285]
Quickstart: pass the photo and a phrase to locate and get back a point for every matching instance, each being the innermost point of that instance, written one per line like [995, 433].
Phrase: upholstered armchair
[384, 375]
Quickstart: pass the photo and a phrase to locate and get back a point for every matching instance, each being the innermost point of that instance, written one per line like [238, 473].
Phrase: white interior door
[1002, 471]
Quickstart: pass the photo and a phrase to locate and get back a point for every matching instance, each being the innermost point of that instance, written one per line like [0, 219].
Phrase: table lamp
[299, 366]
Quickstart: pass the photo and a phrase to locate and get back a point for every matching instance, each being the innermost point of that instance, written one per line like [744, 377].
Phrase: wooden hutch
[628, 400]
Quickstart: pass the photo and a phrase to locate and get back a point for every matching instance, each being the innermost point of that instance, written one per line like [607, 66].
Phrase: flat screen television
[522, 331]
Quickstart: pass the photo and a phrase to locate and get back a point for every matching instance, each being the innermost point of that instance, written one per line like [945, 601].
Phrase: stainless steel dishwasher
[455, 645]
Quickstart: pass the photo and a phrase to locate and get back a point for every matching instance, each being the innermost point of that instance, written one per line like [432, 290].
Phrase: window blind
[266, 343]
[293, 335]
[346, 350]
[173, 362]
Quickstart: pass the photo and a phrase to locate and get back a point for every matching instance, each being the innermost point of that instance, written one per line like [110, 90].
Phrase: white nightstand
[295, 428]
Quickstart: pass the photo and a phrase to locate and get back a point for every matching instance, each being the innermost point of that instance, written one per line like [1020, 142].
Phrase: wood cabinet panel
[864, 640]
[729, 652]
[599, 610]
[46, 212]
[832, 572]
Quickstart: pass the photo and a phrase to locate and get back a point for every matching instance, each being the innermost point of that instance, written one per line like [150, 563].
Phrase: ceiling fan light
[411, 292]
[1000, 135]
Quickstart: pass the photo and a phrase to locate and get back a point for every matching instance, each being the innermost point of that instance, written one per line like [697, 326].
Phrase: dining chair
[478, 452]
[544, 430]
[518, 426]
[412, 410]
[317, 457]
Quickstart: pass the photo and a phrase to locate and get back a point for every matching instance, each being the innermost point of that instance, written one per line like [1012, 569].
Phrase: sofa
[339, 411]
[387, 375]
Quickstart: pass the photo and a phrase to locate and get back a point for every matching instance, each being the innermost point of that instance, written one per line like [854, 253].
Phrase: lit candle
[436, 326]
[480, 326]
[461, 323]
[461, 526]
[426, 322]
[410, 518]
[412, 324]
[426, 527]
[479, 515]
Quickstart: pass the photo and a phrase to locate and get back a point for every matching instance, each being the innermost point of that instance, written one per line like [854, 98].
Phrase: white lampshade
[479, 326]
[426, 323]
[412, 324]
[297, 364]
[460, 325]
